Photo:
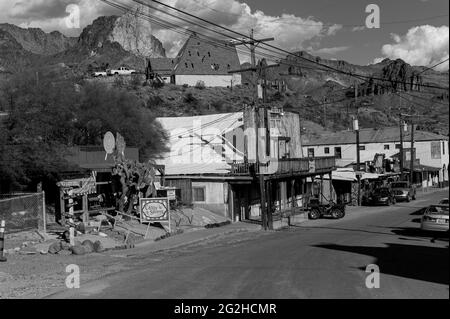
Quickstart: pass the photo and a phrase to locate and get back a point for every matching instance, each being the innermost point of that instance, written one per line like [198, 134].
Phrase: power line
[432, 67]
[277, 48]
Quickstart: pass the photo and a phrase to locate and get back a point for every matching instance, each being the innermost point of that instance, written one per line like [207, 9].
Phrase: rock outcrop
[131, 32]
[36, 41]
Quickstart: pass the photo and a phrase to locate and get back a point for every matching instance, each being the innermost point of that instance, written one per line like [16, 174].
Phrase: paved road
[318, 259]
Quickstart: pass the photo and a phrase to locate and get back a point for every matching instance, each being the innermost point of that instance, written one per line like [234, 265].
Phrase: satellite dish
[109, 143]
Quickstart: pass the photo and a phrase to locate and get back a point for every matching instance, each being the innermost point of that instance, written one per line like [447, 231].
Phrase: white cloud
[329, 51]
[424, 45]
[290, 31]
[358, 28]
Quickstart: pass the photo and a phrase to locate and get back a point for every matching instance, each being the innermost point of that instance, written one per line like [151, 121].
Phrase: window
[386, 146]
[198, 194]
[435, 150]
[310, 152]
[189, 53]
[338, 152]
[397, 146]
[326, 150]
[362, 147]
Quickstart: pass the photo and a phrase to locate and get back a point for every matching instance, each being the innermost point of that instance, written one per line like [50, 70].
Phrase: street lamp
[358, 158]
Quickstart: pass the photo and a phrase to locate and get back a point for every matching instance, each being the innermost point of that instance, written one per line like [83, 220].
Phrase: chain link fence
[25, 211]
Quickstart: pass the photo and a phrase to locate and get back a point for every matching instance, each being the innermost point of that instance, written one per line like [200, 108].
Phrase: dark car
[381, 196]
[403, 191]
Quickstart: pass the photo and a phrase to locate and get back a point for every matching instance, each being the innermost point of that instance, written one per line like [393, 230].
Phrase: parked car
[444, 201]
[435, 218]
[382, 196]
[403, 191]
[121, 71]
[100, 73]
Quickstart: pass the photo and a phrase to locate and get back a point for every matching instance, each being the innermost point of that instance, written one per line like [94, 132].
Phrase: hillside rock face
[36, 41]
[13, 57]
[131, 32]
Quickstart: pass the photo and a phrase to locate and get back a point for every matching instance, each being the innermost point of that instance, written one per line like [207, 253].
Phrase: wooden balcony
[291, 166]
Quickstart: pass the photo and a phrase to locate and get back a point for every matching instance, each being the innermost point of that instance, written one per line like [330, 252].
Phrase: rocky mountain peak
[131, 32]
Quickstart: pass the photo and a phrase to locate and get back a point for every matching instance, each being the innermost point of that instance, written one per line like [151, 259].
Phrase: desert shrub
[157, 84]
[200, 85]
[190, 98]
[218, 105]
[154, 101]
[118, 81]
[135, 81]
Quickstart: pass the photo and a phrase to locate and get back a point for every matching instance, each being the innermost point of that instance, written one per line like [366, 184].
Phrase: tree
[46, 117]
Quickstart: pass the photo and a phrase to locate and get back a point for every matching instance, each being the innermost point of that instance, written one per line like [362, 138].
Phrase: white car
[98, 74]
[121, 71]
[435, 218]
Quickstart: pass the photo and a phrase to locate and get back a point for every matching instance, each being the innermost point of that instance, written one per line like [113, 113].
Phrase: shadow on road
[417, 232]
[409, 261]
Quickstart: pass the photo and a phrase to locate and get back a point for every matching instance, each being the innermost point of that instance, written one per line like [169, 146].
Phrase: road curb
[197, 240]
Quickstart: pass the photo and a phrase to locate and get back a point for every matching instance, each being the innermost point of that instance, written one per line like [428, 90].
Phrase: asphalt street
[315, 259]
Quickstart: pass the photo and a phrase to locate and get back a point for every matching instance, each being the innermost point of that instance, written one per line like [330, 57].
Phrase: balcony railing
[286, 166]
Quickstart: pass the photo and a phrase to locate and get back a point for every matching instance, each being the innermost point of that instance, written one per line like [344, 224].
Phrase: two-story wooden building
[213, 160]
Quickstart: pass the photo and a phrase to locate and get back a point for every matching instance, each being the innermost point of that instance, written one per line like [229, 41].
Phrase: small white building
[432, 150]
[201, 62]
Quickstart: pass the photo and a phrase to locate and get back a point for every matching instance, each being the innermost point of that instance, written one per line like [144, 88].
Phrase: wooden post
[331, 186]
[62, 206]
[270, 204]
[71, 228]
[44, 213]
[321, 189]
[85, 209]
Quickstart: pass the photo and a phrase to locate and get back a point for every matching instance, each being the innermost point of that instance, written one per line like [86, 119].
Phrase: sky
[413, 30]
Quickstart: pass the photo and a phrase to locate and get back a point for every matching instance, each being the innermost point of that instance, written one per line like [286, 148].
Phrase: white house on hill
[201, 61]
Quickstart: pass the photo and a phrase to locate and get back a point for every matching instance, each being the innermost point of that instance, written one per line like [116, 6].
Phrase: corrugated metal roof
[193, 142]
[372, 135]
[197, 169]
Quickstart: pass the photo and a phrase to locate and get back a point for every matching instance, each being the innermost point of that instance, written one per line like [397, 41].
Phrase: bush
[135, 81]
[218, 105]
[118, 81]
[157, 84]
[200, 85]
[190, 98]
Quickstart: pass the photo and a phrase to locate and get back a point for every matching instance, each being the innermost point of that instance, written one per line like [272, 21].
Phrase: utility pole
[266, 216]
[402, 126]
[358, 155]
[413, 154]
[252, 44]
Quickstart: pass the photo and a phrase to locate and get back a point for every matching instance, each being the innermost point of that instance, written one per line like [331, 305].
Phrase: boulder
[78, 250]
[88, 246]
[98, 247]
[54, 248]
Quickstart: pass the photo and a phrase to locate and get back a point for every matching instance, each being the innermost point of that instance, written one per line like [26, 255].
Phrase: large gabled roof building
[201, 61]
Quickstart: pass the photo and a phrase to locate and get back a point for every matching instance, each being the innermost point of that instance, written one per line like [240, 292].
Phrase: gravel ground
[36, 276]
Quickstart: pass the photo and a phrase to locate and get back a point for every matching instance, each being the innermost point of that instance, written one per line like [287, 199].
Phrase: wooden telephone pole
[266, 213]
